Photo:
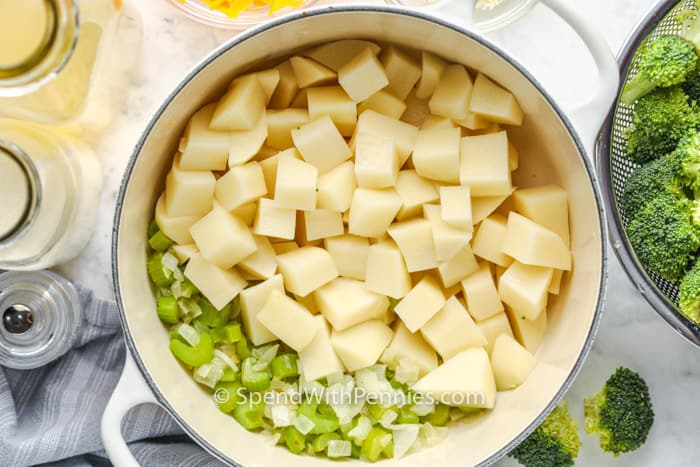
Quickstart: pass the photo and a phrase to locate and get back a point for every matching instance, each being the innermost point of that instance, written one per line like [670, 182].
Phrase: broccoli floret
[688, 153]
[689, 294]
[691, 86]
[555, 443]
[660, 176]
[666, 62]
[665, 234]
[621, 413]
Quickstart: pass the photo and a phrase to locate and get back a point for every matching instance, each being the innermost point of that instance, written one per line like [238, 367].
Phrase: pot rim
[334, 9]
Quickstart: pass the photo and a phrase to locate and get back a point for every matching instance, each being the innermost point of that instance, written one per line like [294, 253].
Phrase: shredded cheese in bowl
[234, 8]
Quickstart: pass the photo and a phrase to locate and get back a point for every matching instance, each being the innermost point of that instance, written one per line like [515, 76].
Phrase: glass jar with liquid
[48, 196]
[66, 62]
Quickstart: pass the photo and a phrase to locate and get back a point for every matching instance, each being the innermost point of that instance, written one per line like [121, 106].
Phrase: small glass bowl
[199, 11]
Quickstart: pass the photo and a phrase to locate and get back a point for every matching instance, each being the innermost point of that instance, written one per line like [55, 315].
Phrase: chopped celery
[159, 241]
[295, 441]
[320, 442]
[195, 356]
[255, 381]
[249, 415]
[242, 348]
[184, 288]
[393, 302]
[356, 451]
[361, 429]
[167, 309]
[439, 417]
[322, 423]
[376, 411]
[229, 375]
[471, 410]
[158, 273]
[235, 307]
[303, 424]
[325, 409]
[227, 334]
[284, 366]
[406, 415]
[210, 315]
[152, 228]
[227, 395]
[338, 448]
[375, 444]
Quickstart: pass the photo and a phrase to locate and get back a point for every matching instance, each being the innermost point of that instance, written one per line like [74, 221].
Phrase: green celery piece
[188, 289]
[195, 356]
[439, 417]
[406, 415]
[242, 348]
[152, 228]
[295, 441]
[167, 309]
[255, 381]
[375, 444]
[157, 272]
[376, 411]
[228, 334]
[230, 375]
[227, 395]
[159, 241]
[284, 366]
[389, 449]
[471, 410]
[249, 415]
[210, 315]
[320, 443]
[356, 451]
[325, 409]
[322, 423]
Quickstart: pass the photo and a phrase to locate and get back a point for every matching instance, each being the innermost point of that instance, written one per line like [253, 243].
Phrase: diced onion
[432, 435]
[189, 307]
[361, 430]
[188, 333]
[405, 437]
[388, 418]
[407, 372]
[226, 359]
[335, 378]
[339, 448]
[282, 416]
[170, 263]
[264, 356]
[303, 424]
[208, 375]
[201, 328]
[423, 408]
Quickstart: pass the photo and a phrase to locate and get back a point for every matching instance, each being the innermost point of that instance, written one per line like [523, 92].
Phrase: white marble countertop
[631, 334]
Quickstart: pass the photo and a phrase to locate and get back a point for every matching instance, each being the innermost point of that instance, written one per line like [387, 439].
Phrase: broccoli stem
[637, 87]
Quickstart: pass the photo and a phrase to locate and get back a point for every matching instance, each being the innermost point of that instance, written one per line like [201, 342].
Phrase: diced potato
[488, 240]
[372, 211]
[310, 73]
[448, 241]
[203, 148]
[263, 263]
[484, 206]
[350, 255]
[252, 301]
[493, 327]
[295, 184]
[268, 79]
[241, 106]
[525, 289]
[511, 363]
[384, 103]
[403, 134]
[336, 187]
[482, 297]
[432, 69]
[433, 121]
[286, 89]
[555, 285]
[246, 213]
[412, 347]
[436, 154]
[528, 332]
[420, 304]
[465, 380]
[494, 103]
[188, 193]
[175, 228]
[321, 144]
[545, 205]
[386, 270]
[309, 302]
[362, 76]
[246, 144]
[402, 70]
[452, 330]
[288, 320]
[347, 302]
[485, 164]
[332, 101]
[414, 191]
[301, 100]
[322, 223]
[318, 359]
[223, 238]
[417, 110]
[461, 266]
[269, 167]
[452, 93]
[336, 54]
[241, 185]
[306, 269]
[474, 122]
[456, 206]
[219, 286]
[415, 240]
[376, 161]
[280, 124]
[183, 252]
[374, 335]
[274, 221]
[513, 157]
[284, 247]
[530, 243]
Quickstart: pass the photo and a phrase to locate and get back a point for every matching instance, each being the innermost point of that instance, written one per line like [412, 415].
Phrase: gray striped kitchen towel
[51, 415]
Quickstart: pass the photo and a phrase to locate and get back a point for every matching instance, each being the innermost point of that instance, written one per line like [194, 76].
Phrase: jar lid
[15, 193]
[26, 28]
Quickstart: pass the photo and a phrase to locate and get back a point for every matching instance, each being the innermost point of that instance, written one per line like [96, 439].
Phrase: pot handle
[131, 391]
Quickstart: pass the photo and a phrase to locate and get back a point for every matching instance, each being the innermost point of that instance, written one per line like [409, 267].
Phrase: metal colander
[615, 168]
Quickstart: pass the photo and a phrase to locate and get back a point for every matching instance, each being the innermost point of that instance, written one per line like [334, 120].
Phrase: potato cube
[322, 223]
[402, 70]
[417, 110]
[268, 80]
[555, 285]
[452, 330]
[386, 270]
[420, 304]
[545, 205]
[295, 184]
[350, 255]
[513, 157]
[384, 103]
[362, 76]
[461, 266]
[474, 122]
[188, 193]
[310, 73]
[318, 359]
[280, 124]
[246, 144]
[433, 121]
[376, 161]
[203, 148]
[482, 297]
[452, 93]
[436, 154]
[525, 289]
[494, 103]
[263, 263]
[529, 333]
[306, 269]
[175, 228]
[465, 380]
[274, 221]
[406, 345]
[456, 207]
[374, 335]
[414, 191]
[530, 243]
[241, 185]
[336, 54]
[284, 247]
[336, 188]
[269, 167]
[218, 285]
[511, 363]
[252, 301]
[288, 320]
[485, 164]
[415, 240]
[246, 213]
[488, 240]
[223, 238]
[183, 252]
[448, 241]
[321, 144]
[372, 211]
[332, 101]
[493, 327]
[347, 302]
[286, 88]
[241, 106]
[432, 69]
[484, 206]
[403, 134]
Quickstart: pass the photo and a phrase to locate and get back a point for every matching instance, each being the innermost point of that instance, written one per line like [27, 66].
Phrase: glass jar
[66, 62]
[48, 196]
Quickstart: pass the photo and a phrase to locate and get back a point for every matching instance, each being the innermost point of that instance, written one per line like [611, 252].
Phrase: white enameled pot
[555, 146]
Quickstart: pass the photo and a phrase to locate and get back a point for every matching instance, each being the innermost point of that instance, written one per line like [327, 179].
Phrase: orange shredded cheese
[233, 8]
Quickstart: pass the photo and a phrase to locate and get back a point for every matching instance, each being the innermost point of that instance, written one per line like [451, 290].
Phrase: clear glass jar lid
[15, 193]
